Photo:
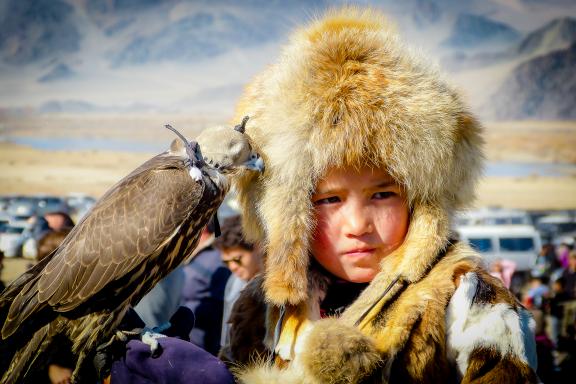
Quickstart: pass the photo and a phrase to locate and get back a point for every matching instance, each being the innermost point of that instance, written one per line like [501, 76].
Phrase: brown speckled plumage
[138, 232]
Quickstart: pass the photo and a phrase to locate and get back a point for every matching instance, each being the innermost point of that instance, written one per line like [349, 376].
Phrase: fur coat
[346, 92]
[456, 324]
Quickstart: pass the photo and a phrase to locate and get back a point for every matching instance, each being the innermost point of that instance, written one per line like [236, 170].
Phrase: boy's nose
[357, 221]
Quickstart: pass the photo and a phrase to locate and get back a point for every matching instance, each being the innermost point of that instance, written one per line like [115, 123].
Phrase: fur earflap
[346, 92]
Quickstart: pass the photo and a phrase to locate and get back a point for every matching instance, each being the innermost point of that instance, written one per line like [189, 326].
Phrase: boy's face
[362, 216]
[242, 262]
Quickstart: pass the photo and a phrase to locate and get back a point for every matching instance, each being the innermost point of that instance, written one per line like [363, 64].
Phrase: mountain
[557, 34]
[198, 36]
[471, 31]
[100, 56]
[426, 12]
[541, 88]
[58, 72]
[33, 30]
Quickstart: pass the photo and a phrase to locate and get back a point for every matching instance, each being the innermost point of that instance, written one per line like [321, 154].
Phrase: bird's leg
[107, 352]
[146, 335]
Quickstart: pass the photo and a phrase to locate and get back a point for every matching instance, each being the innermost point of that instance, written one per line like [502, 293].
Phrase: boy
[243, 261]
[369, 154]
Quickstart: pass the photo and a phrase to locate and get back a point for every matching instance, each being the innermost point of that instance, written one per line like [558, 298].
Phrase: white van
[519, 243]
[493, 216]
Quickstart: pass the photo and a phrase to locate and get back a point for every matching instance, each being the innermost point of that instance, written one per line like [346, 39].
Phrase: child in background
[242, 259]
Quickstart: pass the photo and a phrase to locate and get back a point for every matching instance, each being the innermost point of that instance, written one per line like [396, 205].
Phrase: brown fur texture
[351, 356]
[491, 290]
[346, 92]
[409, 330]
[488, 366]
[405, 340]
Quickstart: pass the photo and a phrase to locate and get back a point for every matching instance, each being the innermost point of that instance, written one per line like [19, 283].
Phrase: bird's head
[228, 150]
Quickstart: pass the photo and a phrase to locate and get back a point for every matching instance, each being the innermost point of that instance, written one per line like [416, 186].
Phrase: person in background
[58, 221]
[563, 255]
[503, 270]
[2, 285]
[41, 225]
[544, 349]
[205, 279]
[49, 242]
[242, 259]
[556, 308]
[156, 308]
[538, 293]
[569, 275]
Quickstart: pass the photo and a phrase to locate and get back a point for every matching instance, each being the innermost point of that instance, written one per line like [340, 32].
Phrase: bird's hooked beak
[254, 163]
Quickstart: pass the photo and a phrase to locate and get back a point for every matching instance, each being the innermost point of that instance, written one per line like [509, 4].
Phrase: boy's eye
[327, 200]
[383, 195]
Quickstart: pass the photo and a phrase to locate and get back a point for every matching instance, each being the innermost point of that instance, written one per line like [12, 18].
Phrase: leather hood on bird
[346, 91]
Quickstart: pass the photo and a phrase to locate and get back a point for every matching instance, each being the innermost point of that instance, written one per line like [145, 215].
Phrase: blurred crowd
[25, 219]
[549, 292]
[203, 291]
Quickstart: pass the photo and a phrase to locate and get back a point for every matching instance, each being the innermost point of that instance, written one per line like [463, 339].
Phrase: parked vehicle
[80, 205]
[4, 218]
[47, 204]
[519, 243]
[554, 228]
[11, 240]
[4, 201]
[22, 206]
[493, 216]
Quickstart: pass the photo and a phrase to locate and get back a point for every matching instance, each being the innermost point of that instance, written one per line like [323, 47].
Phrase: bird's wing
[123, 229]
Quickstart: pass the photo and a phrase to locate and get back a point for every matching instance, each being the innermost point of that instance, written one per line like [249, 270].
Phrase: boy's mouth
[360, 251]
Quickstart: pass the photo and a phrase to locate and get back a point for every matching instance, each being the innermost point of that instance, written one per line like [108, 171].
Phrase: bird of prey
[139, 231]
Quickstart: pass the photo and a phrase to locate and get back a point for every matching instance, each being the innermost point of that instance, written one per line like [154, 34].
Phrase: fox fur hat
[346, 92]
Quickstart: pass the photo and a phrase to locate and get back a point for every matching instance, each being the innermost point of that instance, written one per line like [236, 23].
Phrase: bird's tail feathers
[21, 306]
[9, 294]
[25, 358]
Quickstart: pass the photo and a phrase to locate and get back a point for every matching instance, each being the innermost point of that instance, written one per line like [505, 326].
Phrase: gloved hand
[132, 328]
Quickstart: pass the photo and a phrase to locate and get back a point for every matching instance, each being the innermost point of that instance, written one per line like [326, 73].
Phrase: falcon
[138, 232]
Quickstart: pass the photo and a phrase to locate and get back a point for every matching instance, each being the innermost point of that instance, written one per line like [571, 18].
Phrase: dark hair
[68, 222]
[232, 235]
[49, 242]
[561, 281]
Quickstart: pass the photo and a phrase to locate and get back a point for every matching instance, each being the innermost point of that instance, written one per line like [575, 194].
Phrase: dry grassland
[28, 171]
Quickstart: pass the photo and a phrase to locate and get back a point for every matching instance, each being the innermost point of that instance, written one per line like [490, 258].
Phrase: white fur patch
[470, 326]
[195, 173]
